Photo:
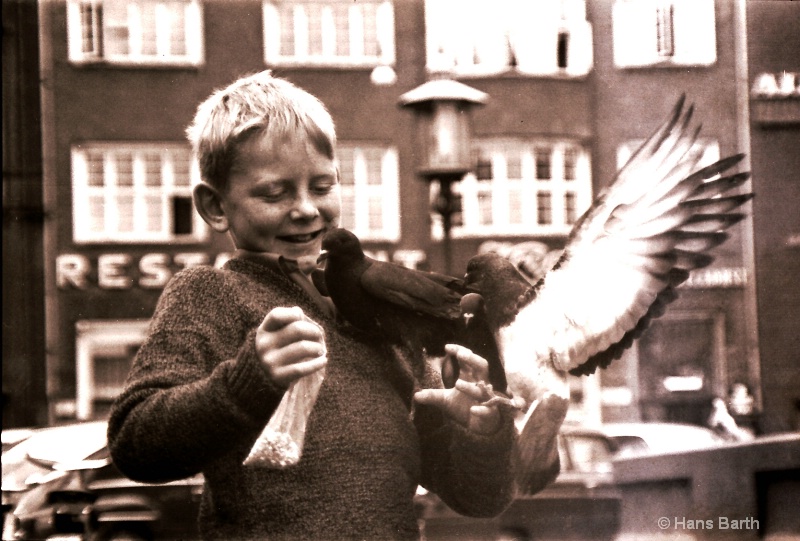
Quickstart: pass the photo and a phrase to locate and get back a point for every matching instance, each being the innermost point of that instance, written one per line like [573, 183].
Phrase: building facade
[573, 86]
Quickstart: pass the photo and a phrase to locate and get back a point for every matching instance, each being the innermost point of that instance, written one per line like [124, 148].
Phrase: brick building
[573, 85]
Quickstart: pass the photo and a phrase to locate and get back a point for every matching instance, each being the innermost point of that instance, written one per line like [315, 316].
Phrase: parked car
[66, 487]
[635, 439]
[582, 503]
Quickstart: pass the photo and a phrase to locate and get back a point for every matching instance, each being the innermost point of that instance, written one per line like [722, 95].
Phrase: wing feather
[417, 291]
[630, 250]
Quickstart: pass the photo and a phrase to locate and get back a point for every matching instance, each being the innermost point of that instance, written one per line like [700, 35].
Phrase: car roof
[665, 437]
[60, 444]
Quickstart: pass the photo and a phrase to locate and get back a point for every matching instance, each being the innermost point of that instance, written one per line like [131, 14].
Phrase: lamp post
[442, 109]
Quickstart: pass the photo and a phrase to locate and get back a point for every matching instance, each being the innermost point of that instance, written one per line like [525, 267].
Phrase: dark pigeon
[415, 309]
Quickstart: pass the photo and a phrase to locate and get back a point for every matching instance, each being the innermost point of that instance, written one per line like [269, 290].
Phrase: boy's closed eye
[323, 184]
[272, 191]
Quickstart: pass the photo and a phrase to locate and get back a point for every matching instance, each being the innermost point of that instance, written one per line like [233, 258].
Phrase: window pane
[182, 165]
[152, 166]
[153, 213]
[286, 18]
[178, 30]
[88, 13]
[370, 30]
[544, 208]
[342, 25]
[124, 169]
[514, 165]
[515, 207]
[110, 373]
[483, 168]
[570, 207]
[125, 217]
[665, 30]
[543, 163]
[181, 215]
[485, 208]
[562, 49]
[375, 213]
[115, 31]
[347, 219]
[97, 222]
[314, 13]
[570, 162]
[94, 166]
[346, 172]
[374, 157]
[149, 37]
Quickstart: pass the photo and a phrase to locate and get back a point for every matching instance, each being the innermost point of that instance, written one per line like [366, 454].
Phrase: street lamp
[442, 109]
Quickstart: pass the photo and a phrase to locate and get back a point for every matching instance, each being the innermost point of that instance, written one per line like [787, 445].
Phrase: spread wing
[639, 240]
[422, 292]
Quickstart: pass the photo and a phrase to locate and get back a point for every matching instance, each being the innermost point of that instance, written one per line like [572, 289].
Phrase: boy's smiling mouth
[300, 239]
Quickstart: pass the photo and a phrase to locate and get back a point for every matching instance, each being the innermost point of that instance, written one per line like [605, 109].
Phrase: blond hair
[256, 104]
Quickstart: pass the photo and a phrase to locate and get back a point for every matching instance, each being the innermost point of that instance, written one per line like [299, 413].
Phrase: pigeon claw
[493, 398]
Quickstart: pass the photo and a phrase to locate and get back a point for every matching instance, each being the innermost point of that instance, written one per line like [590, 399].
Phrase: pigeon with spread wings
[623, 260]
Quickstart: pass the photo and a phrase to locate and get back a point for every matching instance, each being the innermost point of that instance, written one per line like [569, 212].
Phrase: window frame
[522, 38]
[384, 23]
[664, 33]
[193, 34]
[505, 193]
[111, 191]
[362, 192]
[91, 338]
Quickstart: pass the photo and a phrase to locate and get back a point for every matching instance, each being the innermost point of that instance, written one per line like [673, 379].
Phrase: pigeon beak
[322, 256]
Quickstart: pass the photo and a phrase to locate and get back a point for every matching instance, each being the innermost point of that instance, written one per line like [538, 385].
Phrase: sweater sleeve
[196, 389]
[471, 473]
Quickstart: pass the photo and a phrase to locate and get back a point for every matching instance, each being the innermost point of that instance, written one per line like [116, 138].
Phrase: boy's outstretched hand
[464, 402]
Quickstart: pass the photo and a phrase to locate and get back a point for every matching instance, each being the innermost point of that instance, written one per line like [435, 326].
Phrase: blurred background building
[97, 175]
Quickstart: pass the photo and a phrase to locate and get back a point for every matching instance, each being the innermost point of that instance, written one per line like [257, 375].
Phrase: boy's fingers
[483, 419]
[431, 397]
[295, 371]
[471, 389]
[279, 317]
[472, 367]
[301, 351]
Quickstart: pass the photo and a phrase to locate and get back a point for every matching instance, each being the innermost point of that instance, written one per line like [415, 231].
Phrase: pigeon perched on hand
[623, 260]
[416, 309]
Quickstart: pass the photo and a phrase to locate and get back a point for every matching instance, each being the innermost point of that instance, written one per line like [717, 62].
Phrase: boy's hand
[464, 402]
[290, 345]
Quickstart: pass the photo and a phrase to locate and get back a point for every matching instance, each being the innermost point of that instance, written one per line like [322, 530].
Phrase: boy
[224, 344]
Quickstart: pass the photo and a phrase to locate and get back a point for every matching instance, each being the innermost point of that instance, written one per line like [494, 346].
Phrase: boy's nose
[304, 209]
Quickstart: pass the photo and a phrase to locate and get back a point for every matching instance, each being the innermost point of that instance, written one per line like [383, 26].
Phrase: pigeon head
[341, 243]
[500, 284]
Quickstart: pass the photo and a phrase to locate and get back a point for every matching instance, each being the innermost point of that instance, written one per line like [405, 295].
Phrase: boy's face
[281, 198]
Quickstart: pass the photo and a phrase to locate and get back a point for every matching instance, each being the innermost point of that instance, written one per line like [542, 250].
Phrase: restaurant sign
[153, 270]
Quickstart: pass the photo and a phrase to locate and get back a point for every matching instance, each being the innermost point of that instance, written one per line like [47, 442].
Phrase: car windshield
[588, 454]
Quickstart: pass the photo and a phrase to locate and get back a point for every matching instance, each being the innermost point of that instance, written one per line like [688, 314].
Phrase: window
[664, 33]
[134, 193]
[370, 185]
[530, 188]
[104, 352]
[143, 32]
[483, 37]
[335, 32]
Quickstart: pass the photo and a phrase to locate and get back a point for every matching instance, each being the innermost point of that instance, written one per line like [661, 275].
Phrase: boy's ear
[208, 203]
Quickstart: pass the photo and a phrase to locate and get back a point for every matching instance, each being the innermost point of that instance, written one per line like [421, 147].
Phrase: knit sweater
[197, 397]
